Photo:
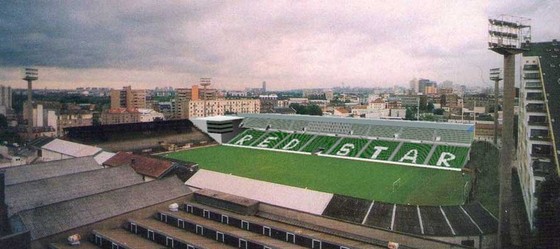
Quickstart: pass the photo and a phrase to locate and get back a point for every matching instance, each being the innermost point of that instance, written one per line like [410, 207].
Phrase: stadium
[401, 176]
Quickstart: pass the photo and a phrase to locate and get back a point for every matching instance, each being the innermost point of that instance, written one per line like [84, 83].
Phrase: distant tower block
[508, 36]
[264, 86]
[204, 82]
[30, 74]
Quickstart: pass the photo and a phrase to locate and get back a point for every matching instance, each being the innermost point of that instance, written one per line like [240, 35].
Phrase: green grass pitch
[368, 180]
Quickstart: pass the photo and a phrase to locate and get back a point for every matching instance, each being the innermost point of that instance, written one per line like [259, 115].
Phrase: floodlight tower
[204, 82]
[508, 36]
[495, 76]
[29, 74]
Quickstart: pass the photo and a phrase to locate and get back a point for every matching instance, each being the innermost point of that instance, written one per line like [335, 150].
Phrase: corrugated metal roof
[63, 216]
[300, 199]
[43, 192]
[71, 148]
[32, 172]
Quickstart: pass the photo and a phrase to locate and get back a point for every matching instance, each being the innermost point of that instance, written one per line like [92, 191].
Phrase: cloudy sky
[289, 44]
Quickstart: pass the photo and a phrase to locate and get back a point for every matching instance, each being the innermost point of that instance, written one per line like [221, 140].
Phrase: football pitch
[367, 180]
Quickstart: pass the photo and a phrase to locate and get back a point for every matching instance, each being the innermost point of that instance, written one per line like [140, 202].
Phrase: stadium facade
[539, 102]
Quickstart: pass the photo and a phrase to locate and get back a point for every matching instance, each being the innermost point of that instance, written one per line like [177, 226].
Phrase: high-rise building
[264, 86]
[184, 95]
[128, 98]
[538, 133]
[195, 108]
[426, 86]
[6, 96]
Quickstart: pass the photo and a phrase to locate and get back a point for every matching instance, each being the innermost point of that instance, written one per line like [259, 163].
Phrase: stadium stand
[387, 132]
[348, 147]
[379, 149]
[320, 143]
[295, 141]
[258, 123]
[347, 208]
[360, 129]
[412, 153]
[422, 143]
[329, 127]
[271, 139]
[412, 133]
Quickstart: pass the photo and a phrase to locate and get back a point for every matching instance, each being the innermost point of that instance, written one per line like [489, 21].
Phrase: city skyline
[240, 44]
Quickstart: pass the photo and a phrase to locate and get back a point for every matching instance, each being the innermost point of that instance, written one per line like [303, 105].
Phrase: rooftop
[63, 216]
[143, 165]
[71, 148]
[32, 172]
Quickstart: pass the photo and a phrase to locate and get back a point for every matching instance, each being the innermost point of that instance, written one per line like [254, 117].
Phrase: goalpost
[396, 184]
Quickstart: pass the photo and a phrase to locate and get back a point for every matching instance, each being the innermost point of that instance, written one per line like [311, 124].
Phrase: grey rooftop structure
[32, 172]
[33, 194]
[63, 216]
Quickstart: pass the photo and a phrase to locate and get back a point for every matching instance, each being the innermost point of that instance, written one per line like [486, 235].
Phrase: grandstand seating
[454, 136]
[360, 129]
[321, 142]
[413, 133]
[271, 139]
[406, 153]
[247, 137]
[376, 140]
[383, 153]
[259, 123]
[329, 127]
[280, 124]
[299, 125]
[383, 131]
[349, 147]
[459, 155]
[295, 141]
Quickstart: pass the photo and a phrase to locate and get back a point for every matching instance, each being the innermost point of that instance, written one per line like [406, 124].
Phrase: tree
[410, 113]
[547, 214]
[314, 110]
[3, 122]
[430, 107]
[438, 111]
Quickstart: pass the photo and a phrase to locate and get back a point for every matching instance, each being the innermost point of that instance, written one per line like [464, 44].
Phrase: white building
[149, 115]
[537, 151]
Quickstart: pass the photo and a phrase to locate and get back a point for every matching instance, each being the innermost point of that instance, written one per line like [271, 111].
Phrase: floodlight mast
[495, 76]
[508, 36]
[29, 74]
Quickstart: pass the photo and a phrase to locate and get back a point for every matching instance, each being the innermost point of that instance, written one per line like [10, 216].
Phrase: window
[114, 246]
[163, 217]
[225, 219]
[98, 240]
[290, 237]
[316, 244]
[266, 231]
[150, 235]
[220, 237]
[206, 214]
[190, 247]
[244, 225]
[243, 244]
[199, 230]
[169, 242]
[133, 228]
[189, 209]
[181, 223]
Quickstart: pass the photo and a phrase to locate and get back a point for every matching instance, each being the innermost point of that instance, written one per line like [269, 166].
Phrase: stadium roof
[63, 216]
[32, 172]
[219, 118]
[29, 195]
[398, 123]
[276, 194]
[71, 148]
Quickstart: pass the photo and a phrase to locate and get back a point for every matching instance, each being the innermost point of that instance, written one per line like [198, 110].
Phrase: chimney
[4, 224]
